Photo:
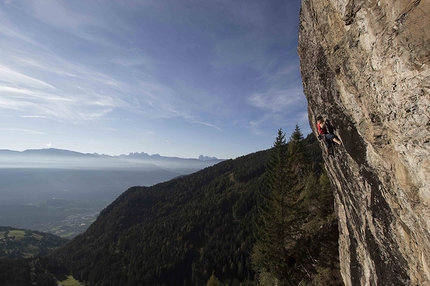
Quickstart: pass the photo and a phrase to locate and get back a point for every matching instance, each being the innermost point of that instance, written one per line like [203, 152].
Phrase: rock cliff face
[365, 67]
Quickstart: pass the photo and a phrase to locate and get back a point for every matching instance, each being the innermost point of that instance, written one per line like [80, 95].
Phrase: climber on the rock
[323, 133]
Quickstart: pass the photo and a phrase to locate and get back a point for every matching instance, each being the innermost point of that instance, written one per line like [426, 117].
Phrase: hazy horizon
[62, 191]
[67, 159]
[111, 155]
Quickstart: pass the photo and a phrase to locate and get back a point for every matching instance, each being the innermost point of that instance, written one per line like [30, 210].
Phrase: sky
[177, 78]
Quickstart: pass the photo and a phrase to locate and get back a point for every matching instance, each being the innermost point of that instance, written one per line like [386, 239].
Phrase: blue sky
[177, 78]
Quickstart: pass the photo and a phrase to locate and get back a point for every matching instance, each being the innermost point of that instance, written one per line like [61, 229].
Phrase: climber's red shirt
[321, 130]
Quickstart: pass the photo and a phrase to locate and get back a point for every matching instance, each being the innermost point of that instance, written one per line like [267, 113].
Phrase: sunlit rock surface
[365, 66]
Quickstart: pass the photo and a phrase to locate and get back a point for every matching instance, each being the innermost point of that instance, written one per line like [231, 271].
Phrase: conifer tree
[269, 254]
[213, 281]
[277, 254]
[298, 157]
[297, 171]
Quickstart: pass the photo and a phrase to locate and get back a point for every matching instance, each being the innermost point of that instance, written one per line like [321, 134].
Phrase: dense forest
[21, 252]
[31, 271]
[223, 225]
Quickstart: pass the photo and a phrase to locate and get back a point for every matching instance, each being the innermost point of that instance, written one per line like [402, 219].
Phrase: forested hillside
[23, 243]
[195, 229]
[176, 232]
[20, 256]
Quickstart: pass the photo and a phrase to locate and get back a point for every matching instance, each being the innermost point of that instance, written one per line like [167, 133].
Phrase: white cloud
[28, 93]
[209, 125]
[45, 66]
[10, 76]
[278, 108]
[277, 100]
[33, 116]
[95, 114]
[35, 132]
[14, 104]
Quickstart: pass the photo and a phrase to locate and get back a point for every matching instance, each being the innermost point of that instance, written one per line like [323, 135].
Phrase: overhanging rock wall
[365, 67]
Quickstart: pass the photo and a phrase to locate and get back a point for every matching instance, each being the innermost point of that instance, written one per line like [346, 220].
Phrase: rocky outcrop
[365, 67]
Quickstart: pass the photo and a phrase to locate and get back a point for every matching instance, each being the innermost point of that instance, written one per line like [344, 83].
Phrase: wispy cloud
[94, 114]
[27, 93]
[33, 63]
[277, 100]
[209, 125]
[277, 108]
[103, 92]
[28, 131]
[8, 75]
[6, 103]
[33, 116]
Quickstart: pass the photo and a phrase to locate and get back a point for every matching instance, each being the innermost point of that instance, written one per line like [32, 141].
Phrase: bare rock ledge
[365, 67]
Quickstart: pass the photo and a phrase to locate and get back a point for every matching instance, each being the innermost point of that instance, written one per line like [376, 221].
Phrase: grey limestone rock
[365, 67]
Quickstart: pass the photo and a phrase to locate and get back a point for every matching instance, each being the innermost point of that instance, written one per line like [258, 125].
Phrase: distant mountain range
[34, 176]
[58, 158]
[68, 153]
